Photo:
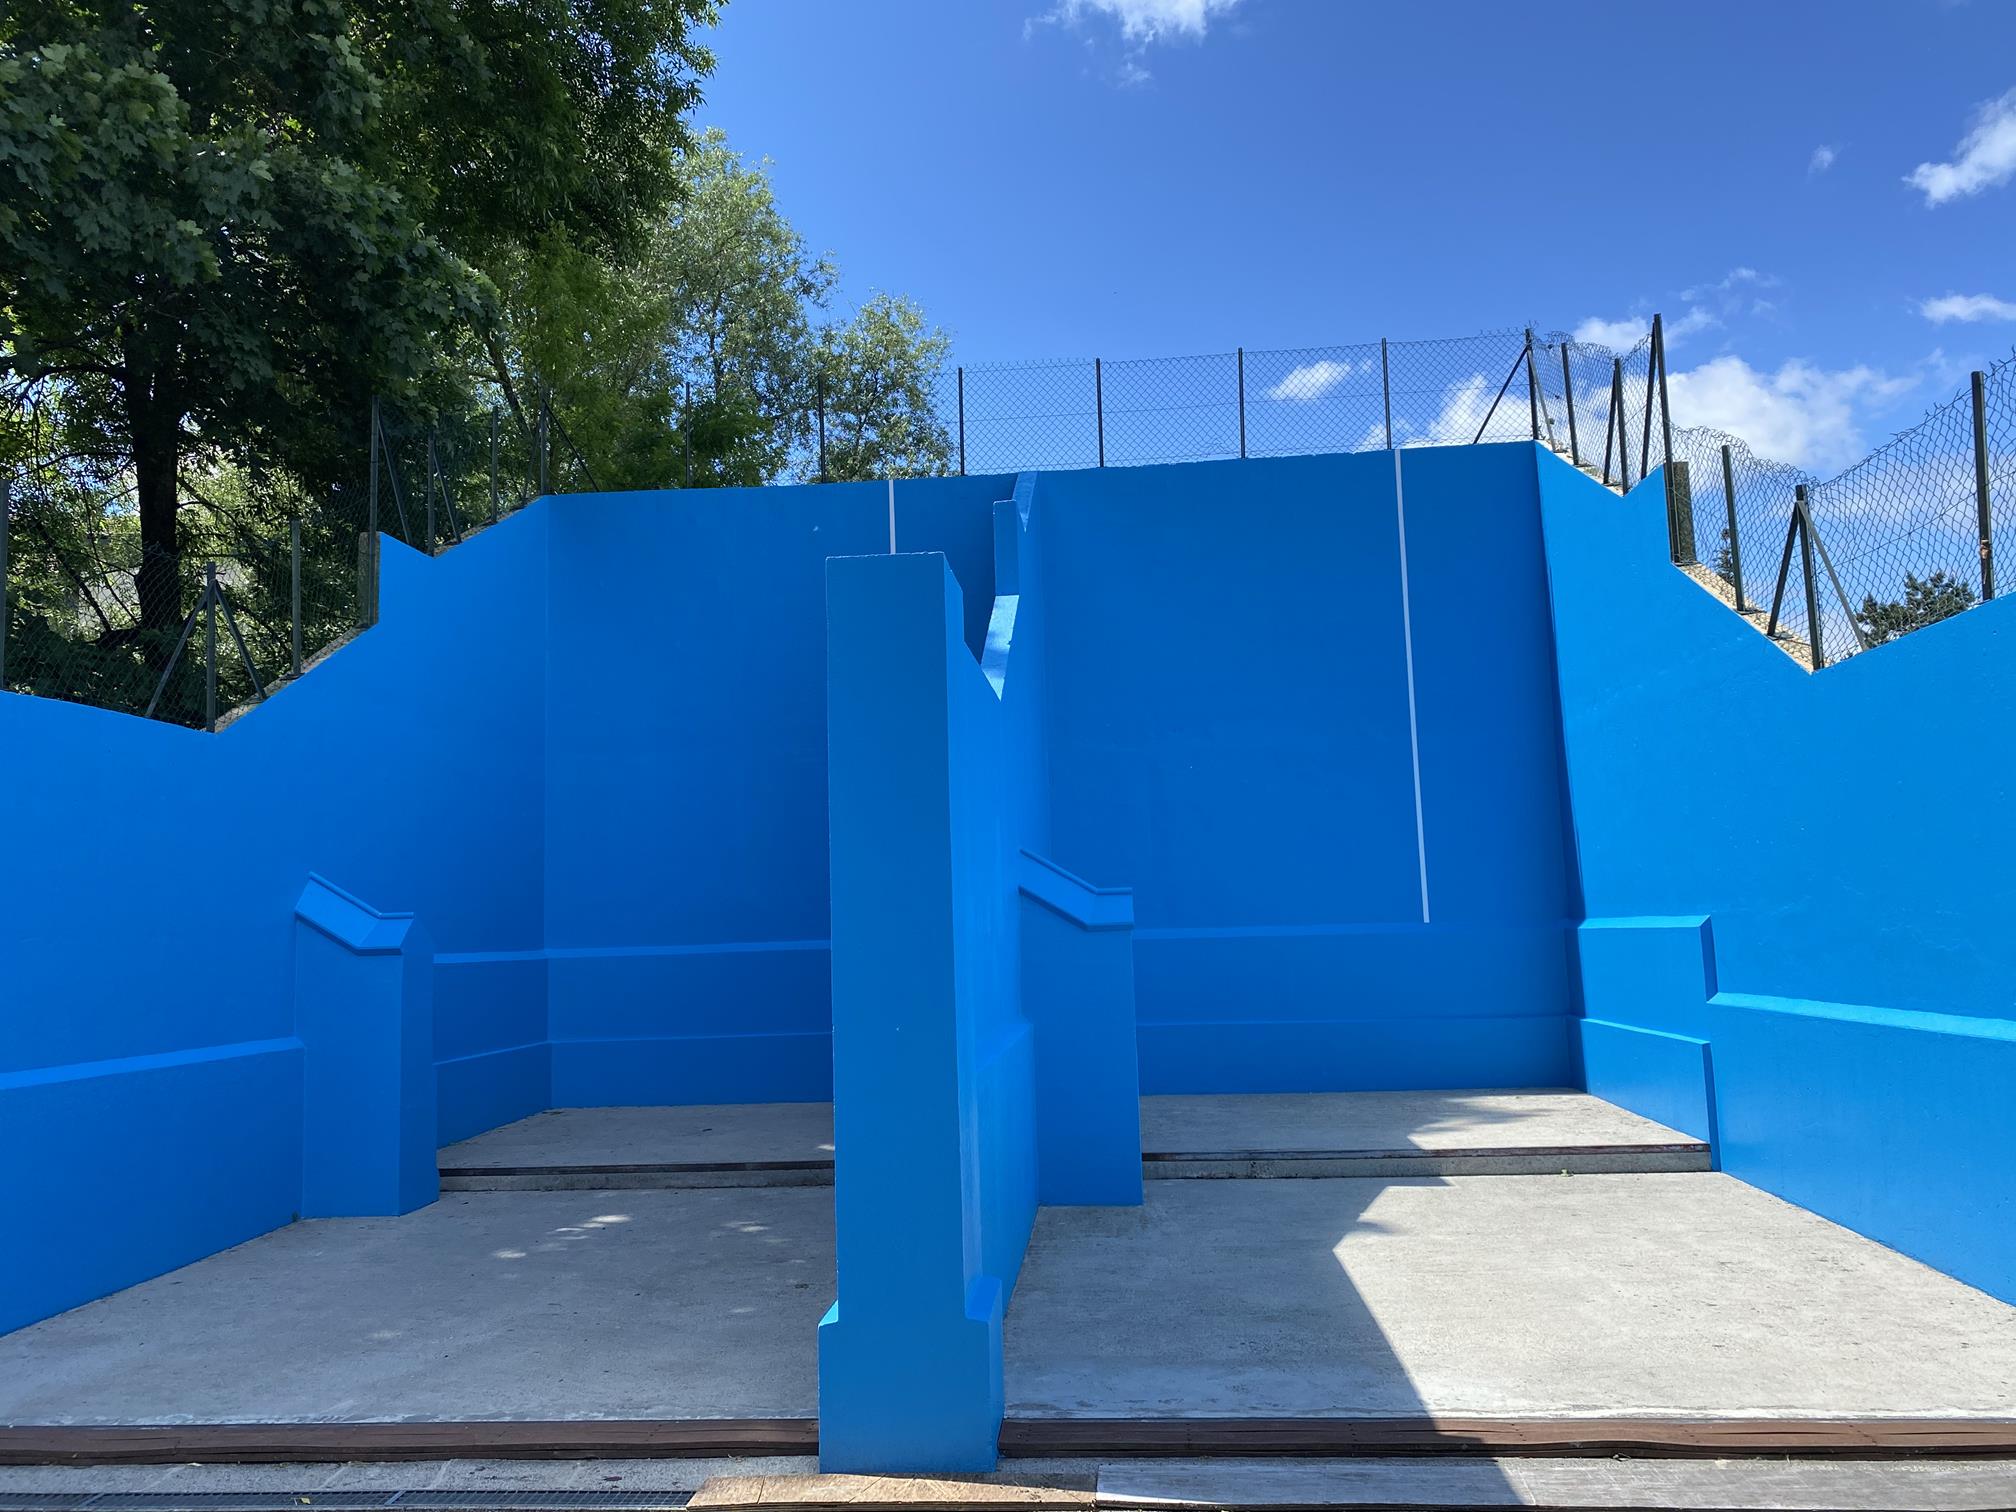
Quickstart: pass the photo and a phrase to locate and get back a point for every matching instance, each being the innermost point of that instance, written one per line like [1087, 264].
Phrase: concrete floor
[500, 1305]
[732, 1134]
[1520, 1296]
[1356, 1121]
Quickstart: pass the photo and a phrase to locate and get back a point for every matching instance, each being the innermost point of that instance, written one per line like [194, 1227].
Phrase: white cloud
[1143, 21]
[1802, 414]
[1621, 335]
[1985, 157]
[1967, 307]
[1311, 381]
[1823, 159]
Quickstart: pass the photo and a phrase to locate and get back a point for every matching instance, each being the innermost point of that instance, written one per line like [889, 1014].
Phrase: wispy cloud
[1984, 158]
[1822, 159]
[1810, 416]
[1967, 307]
[1142, 24]
[1145, 21]
[1620, 334]
[1311, 381]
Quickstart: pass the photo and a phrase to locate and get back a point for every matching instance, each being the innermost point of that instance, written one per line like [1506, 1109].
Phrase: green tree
[223, 223]
[1925, 601]
[881, 373]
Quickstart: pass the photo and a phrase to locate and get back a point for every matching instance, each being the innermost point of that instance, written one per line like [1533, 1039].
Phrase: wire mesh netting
[264, 576]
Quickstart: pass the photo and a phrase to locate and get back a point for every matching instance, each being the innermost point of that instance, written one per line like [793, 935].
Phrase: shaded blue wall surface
[151, 1075]
[1809, 874]
[1231, 736]
[685, 783]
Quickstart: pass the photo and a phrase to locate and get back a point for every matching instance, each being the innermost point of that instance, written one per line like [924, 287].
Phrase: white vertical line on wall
[1413, 720]
[892, 517]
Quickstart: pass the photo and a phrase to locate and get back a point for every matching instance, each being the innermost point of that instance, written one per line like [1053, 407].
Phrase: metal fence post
[6, 502]
[1665, 407]
[294, 553]
[1680, 513]
[210, 646]
[1386, 389]
[1568, 390]
[1532, 387]
[1623, 436]
[1099, 405]
[433, 471]
[374, 463]
[1983, 519]
[1735, 545]
[961, 373]
[1813, 639]
[1645, 447]
[1242, 401]
[822, 427]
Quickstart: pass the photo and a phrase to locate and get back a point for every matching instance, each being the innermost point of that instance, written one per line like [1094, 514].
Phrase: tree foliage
[1926, 601]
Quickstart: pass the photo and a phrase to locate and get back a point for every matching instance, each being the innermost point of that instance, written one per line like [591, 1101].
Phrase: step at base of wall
[634, 1178]
[1551, 1160]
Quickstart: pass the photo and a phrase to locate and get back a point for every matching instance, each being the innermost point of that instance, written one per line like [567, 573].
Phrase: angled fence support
[1532, 387]
[1984, 520]
[1568, 391]
[1386, 388]
[1735, 545]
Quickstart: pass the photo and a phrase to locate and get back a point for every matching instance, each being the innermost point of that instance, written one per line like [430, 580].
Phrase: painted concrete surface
[1358, 1121]
[505, 1305]
[1490, 1297]
[740, 1133]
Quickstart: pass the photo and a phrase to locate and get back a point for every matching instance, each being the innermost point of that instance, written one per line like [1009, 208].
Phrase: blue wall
[685, 795]
[150, 1070]
[1807, 875]
[1229, 720]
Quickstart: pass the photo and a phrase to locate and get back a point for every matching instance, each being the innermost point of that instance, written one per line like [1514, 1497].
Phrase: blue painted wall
[151, 1080]
[1836, 848]
[685, 785]
[1229, 720]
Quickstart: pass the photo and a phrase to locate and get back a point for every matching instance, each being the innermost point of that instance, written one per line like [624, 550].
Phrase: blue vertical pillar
[910, 1354]
[364, 1010]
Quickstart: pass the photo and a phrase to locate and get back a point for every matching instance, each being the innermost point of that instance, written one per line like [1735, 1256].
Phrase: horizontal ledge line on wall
[624, 952]
[1326, 931]
[1915, 1020]
[132, 1065]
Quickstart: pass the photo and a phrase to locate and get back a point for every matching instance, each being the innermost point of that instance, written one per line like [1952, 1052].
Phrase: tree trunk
[157, 459]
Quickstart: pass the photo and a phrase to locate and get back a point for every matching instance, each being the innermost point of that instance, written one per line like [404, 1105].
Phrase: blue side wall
[150, 1071]
[685, 797]
[1809, 875]
[1230, 735]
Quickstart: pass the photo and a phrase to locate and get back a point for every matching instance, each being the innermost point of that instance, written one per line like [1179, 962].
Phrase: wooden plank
[308, 1443]
[1825, 1438]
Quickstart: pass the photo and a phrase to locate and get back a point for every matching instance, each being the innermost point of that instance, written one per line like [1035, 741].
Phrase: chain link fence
[266, 578]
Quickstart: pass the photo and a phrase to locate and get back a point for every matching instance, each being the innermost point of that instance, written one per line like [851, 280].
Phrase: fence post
[1645, 446]
[1665, 407]
[1242, 401]
[1623, 436]
[1805, 522]
[1568, 390]
[1386, 390]
[1735, 545]
[210, 646]
[294, 552]
[961, 372]
[6, 502]
[1983, 519]
[1099, 405]
[374, 463]
[1680, 513]
[1532, 387]
[433, 471]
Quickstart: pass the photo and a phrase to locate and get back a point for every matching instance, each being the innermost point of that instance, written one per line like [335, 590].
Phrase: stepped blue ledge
[1404, 770]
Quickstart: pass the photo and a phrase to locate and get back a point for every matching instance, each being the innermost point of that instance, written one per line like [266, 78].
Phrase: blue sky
[1802, 188]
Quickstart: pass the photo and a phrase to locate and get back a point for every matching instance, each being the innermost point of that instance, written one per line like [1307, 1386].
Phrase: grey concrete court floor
[1490, 1296]
[1354, 1121]
[545, 1305]
[1438, 1121]
[724, 1134]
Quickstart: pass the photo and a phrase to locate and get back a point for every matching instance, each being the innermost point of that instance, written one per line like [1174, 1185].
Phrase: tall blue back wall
[1328, 766]
[685, 786]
